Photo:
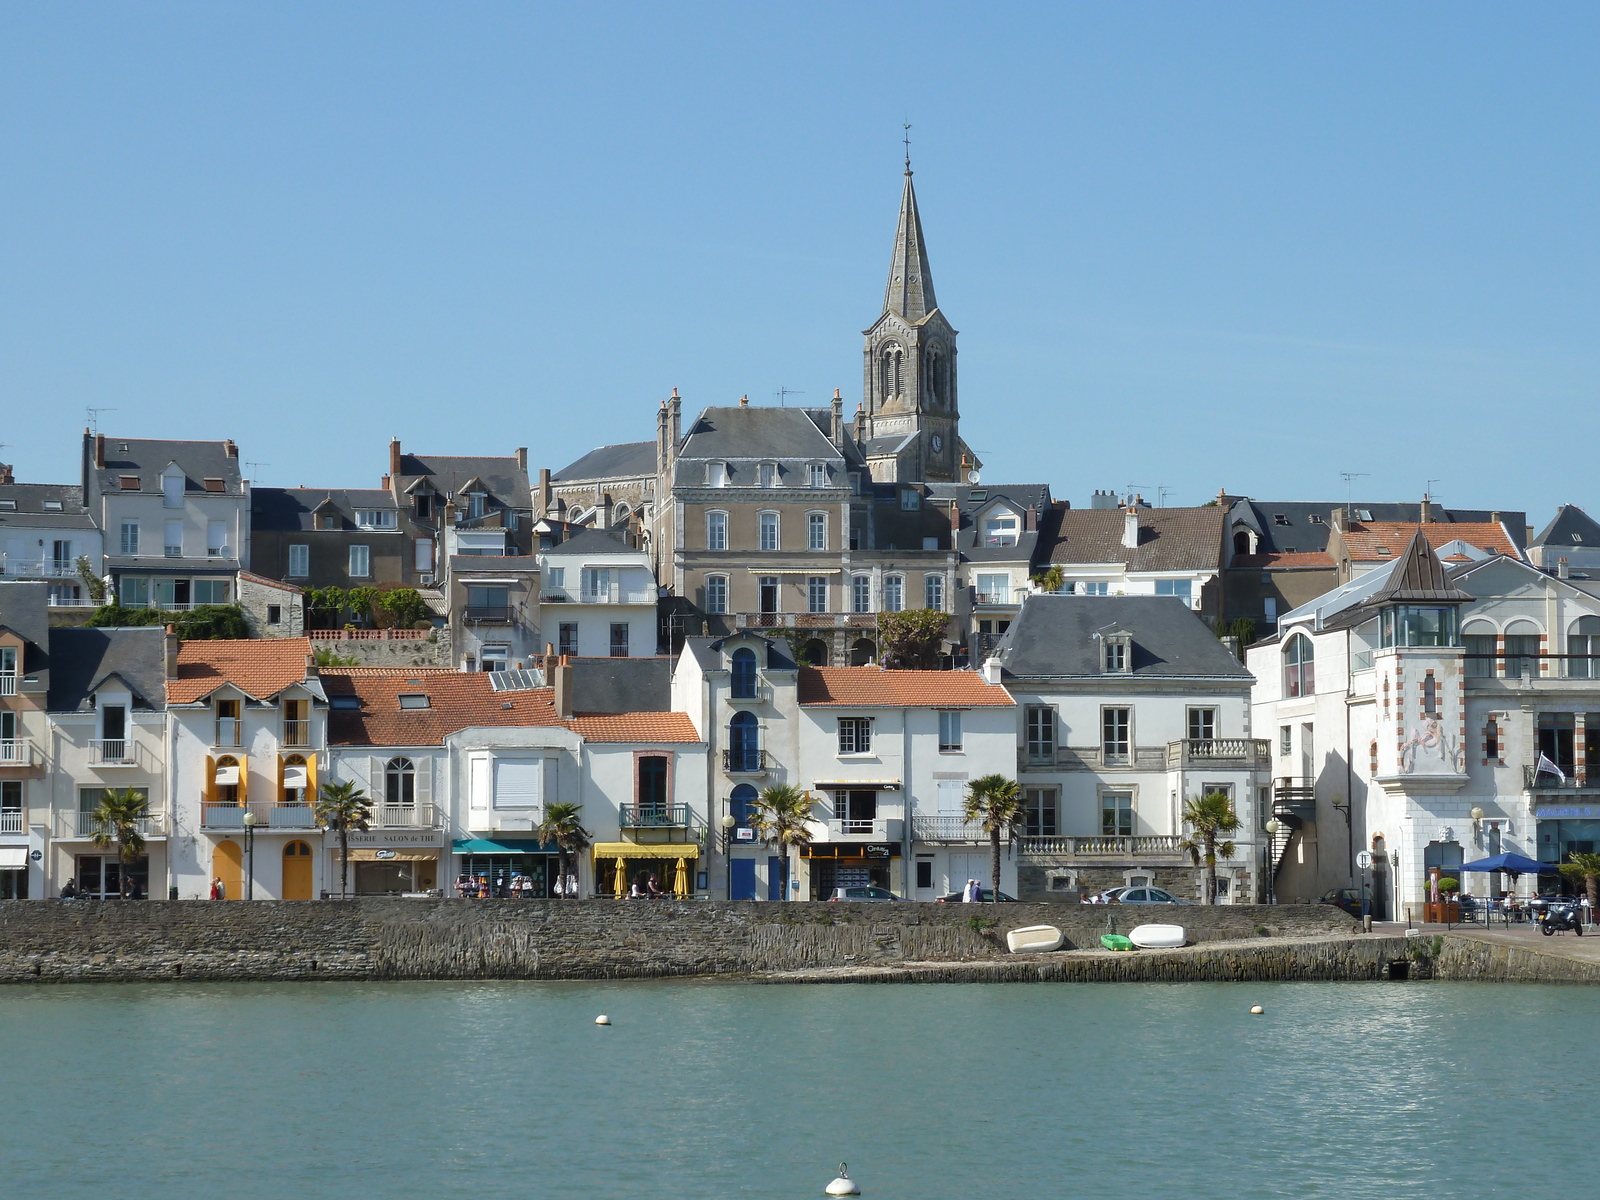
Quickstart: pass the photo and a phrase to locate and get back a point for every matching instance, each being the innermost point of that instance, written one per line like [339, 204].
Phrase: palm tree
[116, 820]
[1587, 868]
[995, 802]
[563, 825]
[1050, 580]
[343, 807]
[781, 817]
[1211, 816]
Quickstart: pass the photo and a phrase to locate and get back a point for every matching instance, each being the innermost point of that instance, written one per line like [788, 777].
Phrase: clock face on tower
[936, 442]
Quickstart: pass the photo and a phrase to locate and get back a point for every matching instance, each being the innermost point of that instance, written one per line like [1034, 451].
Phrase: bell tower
[909, 394]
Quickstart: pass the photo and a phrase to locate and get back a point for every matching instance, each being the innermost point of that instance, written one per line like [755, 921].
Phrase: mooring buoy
[602, 1019]
[1256, 1010]
[844, 1185]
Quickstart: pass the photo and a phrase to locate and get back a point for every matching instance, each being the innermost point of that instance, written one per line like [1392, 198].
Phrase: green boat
[1115, 941]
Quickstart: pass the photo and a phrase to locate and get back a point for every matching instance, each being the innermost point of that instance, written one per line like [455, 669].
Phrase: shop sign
[398, 838]
[1572, 810]
[744, 834]
[36, 855]
[383, 855]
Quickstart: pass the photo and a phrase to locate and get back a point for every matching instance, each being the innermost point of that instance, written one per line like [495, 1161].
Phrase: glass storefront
[1560, 838]
[102, 876]
[505, 874]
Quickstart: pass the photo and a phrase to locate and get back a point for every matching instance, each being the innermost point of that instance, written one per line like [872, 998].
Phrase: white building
[1410, 709]
[1127, 707]
[44, 530]
[598, 597]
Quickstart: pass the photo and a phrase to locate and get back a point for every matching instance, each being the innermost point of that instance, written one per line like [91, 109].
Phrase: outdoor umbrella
[622, 879]
[1511, 864]
[680, 885]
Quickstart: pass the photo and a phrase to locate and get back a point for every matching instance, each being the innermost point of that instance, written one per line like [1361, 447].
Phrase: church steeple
[910, 290]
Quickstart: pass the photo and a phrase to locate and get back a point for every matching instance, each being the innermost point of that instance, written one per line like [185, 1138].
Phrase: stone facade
[259, 596]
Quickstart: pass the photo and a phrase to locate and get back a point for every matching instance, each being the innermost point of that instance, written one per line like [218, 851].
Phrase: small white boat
[1157, 937]
[1034, 939]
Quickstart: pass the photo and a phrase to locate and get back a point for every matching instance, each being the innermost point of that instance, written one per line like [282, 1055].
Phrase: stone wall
[84, 940]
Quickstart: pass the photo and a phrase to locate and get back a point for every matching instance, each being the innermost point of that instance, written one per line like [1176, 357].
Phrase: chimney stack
[522, 457]
[5, 473]
[674, 426]
[1561, 569]
[1338, 518]
[860, 431]
[384, 486]
[562, 683]
[100, 451]
[1426, 513]
[744, 400]
[1130, 527]
[661, 438]
[543, 499]
[230, 449]
[394, 458]
[836, 420]
[171, 648]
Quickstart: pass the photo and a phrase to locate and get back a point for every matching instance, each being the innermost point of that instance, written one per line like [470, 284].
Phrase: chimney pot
[1561, 569]
[744, 400]
[1426, 511]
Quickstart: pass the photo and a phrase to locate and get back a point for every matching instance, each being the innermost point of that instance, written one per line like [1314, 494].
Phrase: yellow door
[297, 871]
[227, 864]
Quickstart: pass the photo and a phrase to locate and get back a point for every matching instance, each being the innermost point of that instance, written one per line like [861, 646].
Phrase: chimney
[1494, 517]
[100, 450]
[675, 425]
[860, 431]
[1232, 645]
[744, 400]
[661, 438]
[1130, 526]
[522, 457]
[1030, 518]
[1426, 513]
[543, 499]
[171, 648]
[836, 420]
[311, 666]
[394, 459]
[230, 449]
[384, 486]
[562, 682]
[991, 670]
[1561, 569]
[5, 473]
[1338, 517]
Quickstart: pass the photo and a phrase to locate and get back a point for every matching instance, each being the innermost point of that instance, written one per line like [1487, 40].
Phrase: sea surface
[720, 1089]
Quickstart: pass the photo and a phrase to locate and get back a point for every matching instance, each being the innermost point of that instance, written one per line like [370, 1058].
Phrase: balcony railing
[759, 693]
[617, 594]
[744, 762]
[874, 829]
[805, 620]
[407, 816]
[297, 733]
[8, 683]
[1108, 846]
[268, 816]
[17, 752]
[1293, 797]
[1535, 780]
[40, 568]
[490, 614]
[11, 821]
[1217, 752]
[655, 816]
[946, 828]
[227, 731]
[369, 635]
[992, 598]
[81, 825]
[112, 752]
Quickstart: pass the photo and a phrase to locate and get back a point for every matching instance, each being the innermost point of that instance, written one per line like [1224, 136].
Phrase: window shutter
[313, 783]
[244, 771]
[424, 767]
[952, 796]
[552, 770]
[518, 782]
[375, 779]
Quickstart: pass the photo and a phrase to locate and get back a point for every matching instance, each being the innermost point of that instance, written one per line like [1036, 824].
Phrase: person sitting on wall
[637, 890]
[69, 890]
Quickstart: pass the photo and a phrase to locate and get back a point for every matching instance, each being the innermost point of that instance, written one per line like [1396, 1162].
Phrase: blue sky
[1187, 246]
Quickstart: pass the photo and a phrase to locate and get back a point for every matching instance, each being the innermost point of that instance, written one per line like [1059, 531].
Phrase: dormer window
[1116, 653]
[330, 521]
[128, 483]
[476, 502]
[717, 474]
[767, 473]
[172, 489]
[375, 518]
[1280, 519]
[215, 485]
[1000, 530]
[910, 499]
[1577, 537]
[817, 475]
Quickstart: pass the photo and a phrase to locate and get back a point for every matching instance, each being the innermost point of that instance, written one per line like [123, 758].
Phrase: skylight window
[414, 700]
[1577, 537]
[975, 497]
[8, 505]
[1280, 519]
[52, 506]
[342, 700]
[1383, 550]
[1315, 518]
[1363, 514]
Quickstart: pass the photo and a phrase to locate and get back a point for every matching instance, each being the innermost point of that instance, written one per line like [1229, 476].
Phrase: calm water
[716, 1089]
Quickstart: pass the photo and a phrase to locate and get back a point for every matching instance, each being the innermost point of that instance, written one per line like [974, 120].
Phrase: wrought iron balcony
[744, 762]
[490, 614]
[1535, 780]
[1295, 798]
[112, 752]
[655, 816]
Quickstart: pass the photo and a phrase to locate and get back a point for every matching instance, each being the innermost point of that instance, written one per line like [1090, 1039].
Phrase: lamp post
[1477, 826]
[728, 823]
[250, 853]
[1272, 827]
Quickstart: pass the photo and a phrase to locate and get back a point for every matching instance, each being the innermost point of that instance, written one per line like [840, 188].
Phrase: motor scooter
[1560, 916]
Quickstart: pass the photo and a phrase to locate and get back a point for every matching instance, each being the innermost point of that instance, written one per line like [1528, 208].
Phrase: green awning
[500, 846]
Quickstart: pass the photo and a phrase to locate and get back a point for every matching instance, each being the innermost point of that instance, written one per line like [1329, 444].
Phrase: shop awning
[500, 846]
[13, 858]
[409, 854]
[227, 776]
[857, 785]
[293, 777]
[608, 850]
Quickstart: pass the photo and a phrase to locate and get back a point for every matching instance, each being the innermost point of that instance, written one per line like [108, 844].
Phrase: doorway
[742, 879]
[227, 864]
[297, 871]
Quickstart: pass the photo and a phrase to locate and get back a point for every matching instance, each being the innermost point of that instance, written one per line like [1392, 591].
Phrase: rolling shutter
[518, 782]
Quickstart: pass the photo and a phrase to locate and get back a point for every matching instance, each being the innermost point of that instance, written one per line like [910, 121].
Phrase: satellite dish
[972, 477]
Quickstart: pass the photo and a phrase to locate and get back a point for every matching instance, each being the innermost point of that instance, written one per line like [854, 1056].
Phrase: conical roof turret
[910, 290]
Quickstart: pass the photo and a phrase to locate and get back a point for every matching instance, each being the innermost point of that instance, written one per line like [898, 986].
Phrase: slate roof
[1283, 562]
[1056, 636]
[1170, 539]
[1378, 541]
[148, 457]
[1571, 526]
[24, 610]
[620, 685]
[909, 291]
[294, 509]
[753, 432]
[505, 478]
[1022, 496]
[874, 687]
[27, 508]
[627, 460]
[1305, 535]
[258, 668]
[83, 659]
[592, 541]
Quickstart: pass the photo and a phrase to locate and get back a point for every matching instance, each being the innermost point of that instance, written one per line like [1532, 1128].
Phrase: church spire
[910, 290]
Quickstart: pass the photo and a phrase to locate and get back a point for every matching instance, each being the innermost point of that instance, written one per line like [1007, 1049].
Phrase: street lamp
[250, 853]
[1273, 826]
[728, 822]
[1477, 826]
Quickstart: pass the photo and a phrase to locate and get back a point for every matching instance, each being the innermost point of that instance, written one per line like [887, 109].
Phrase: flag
[1546, 765]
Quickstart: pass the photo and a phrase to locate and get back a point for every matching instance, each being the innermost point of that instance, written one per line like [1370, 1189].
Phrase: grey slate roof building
[83, 660]
[627, 460]
[1170, 539]
[1061, 636]
[1570, 542]
[742, 436]
[297, 509]
[971, 499]
[108, 459]
[1302, 527]
[24, 611]
[42, 506]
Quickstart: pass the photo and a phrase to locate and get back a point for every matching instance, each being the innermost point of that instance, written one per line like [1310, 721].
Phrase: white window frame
[861, 593]
[717, 529]
[817, 475]
[933, 592]
[716, 474]
[950, 731]
[170, 548]
[299, 561]
[1040, 732]
[767, 474]
[816, 531]
[855, 736]
[814, 585]
[130, 545]
[768, 520]
[361, 554]
[717, 595]
[894, 593]
[216, 539]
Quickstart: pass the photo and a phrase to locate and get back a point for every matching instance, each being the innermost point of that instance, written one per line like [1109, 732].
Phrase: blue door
[774, 878]
[742, 878]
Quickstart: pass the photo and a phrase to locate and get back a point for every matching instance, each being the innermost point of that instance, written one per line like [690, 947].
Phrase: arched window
[739, 801]
[621, 514]
[890, 377]
[814, 653]
[863, 653]
[1241, 542]
[295, 779]
[1583, 642]
[1480, 638]
[1298, 675]
[716, 530]
[743, 666]
[400, 783]
[744, 742]
[1522, 649]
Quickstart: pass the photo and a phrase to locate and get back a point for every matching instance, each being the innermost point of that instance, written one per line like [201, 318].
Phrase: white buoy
[1256, 1010]
[844, 1185]
[602, 1019]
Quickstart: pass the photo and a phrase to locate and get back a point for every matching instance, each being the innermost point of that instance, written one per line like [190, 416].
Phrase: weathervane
[908, 147]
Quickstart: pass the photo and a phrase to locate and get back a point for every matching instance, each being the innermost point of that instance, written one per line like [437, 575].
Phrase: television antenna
[94, 417]
[1162, 492]
[1350, 478]
[1427, 487]
[1131, 487]
[251, 467]
[784, 393]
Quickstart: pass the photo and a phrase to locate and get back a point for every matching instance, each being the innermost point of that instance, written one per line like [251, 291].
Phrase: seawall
[376, 939]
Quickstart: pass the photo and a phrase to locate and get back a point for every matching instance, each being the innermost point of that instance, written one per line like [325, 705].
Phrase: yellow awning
[688, 850]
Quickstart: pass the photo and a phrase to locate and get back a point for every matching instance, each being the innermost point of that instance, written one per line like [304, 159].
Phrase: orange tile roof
[1367, 541]
[635, 727]
[259, 667]
[873, 687]
[1268, 562]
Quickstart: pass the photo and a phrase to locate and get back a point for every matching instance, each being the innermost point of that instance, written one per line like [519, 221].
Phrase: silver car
[862, 893]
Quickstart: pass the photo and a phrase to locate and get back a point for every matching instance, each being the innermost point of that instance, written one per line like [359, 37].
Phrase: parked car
[1111, 895]
[1348, 899]
[986, 896]
[1147, 895]
[862, 893]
